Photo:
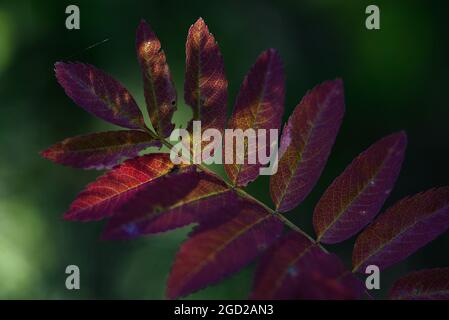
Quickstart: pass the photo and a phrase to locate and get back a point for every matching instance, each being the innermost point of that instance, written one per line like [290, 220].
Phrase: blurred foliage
[395, 78]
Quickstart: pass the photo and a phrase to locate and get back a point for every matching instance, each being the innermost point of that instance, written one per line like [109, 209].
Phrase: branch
[243, 193]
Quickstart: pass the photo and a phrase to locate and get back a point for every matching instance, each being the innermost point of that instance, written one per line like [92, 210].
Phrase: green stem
[243, 193]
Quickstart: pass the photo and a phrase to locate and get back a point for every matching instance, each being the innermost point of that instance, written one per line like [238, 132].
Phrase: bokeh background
[395, 78]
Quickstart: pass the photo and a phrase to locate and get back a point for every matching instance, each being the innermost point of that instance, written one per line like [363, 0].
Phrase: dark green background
[395, 78]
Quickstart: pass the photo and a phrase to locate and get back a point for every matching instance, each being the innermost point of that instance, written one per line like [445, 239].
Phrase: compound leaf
[259, 105]
[357, 195]
[214, 252]
[306, 142]
[99, 94]
[296, 268]
[159, 90]
[401, 230]
[101, 150]
[101, 198]
[431, 284]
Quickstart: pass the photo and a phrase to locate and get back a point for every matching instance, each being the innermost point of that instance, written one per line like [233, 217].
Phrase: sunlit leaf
[296, 268]
[101, 150]
[357, 195]
[431, 284]
[175, 201]
[210, 254]
[401, 230]
[205, 87]
[306, 143]
[99, 94]
[160, 93]
[259, 105]
[101, 198]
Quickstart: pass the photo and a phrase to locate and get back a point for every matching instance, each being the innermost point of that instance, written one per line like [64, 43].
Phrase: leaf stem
[243, 193]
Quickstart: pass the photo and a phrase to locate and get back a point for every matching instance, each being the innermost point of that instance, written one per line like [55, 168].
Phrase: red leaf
[404, 228]
[259, 105]
[357, 195]
[296, 268]
[306, 142]
[101, 198]
[101, 150]
[175, 201]
[431, 284]
[99, 94]
[160, 93]
[205, 87]
[210, 254]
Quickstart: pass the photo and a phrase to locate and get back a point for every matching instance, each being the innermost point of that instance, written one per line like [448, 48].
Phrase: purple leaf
[259, 105]
[357, 195]
[205, 87]
[401, 230]
[99, 94]
[306, 142]
[431, 284]
[175, 201]
[296, 268]
[101, 150]
[102, 197]
[210, 254]
[160, 93]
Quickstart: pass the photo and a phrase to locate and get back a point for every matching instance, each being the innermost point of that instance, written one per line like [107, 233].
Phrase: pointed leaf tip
[101, 150]
[99, 94]
[306, 143]
[201, 21]
[356, 196]
[259, 105]
[105, 195]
